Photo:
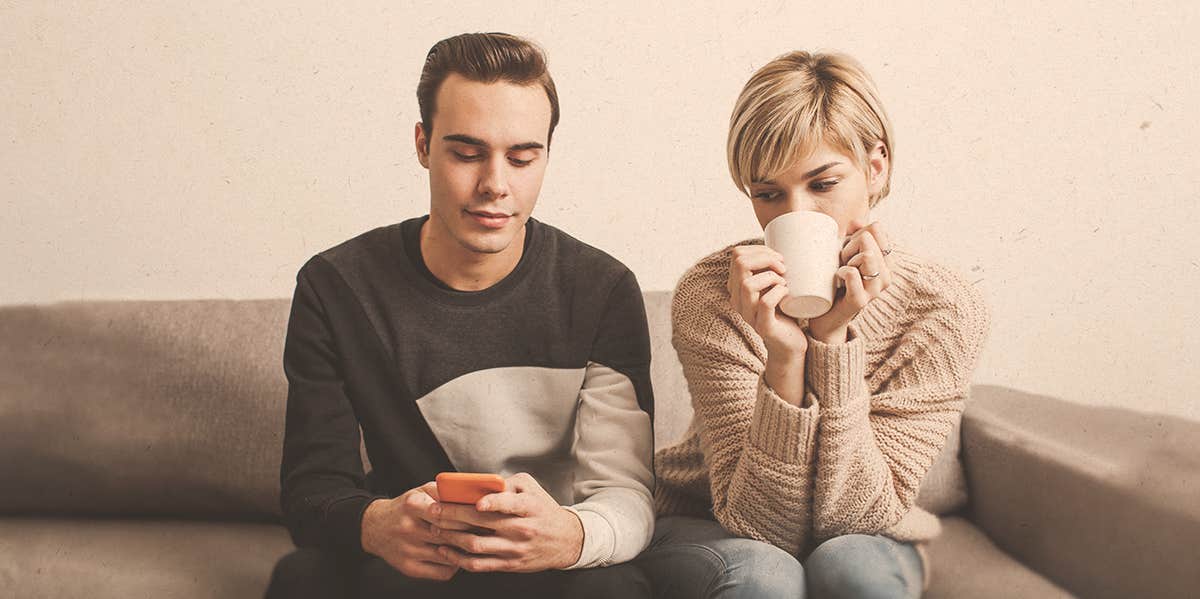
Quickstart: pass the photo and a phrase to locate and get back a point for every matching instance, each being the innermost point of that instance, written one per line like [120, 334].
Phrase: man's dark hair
[487, 58]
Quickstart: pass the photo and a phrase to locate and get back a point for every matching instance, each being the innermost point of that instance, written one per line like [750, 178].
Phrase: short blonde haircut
[793, 104]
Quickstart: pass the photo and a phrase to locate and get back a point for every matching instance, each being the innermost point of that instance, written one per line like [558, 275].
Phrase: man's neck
[462, 269]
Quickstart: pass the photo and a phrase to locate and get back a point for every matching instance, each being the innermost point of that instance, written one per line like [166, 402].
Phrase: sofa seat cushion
[967, 564]
[98, 558]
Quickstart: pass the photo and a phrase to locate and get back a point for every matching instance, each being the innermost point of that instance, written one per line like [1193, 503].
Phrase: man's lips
[491, 220]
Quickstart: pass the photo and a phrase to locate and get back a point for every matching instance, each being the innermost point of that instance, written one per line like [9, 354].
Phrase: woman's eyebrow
[819, 170]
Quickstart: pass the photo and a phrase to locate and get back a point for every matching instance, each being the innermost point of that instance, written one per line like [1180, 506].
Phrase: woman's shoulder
[711, 270]
[933, 289]
[702, 292]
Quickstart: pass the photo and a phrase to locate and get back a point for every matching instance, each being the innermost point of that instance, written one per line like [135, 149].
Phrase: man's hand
[398, 531]
[866, 271]
[522, 529]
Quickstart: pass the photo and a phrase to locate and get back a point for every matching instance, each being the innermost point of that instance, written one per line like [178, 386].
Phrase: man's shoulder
[373, 250]
[579, 256]
[380, 242]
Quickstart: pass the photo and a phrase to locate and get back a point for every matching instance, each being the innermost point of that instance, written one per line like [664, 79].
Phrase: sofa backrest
[136, 407]
[177, 408]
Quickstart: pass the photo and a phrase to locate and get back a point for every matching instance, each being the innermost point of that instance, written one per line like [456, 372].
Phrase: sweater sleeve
[873, 450]
[756, 446]
[614, 438]
[323, 485]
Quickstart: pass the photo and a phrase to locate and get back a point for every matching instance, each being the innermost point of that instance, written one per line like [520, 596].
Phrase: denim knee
[860, 567]
[757, 569]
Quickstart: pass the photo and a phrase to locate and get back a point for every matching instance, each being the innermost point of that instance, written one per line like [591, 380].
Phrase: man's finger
[430, 570]
[523, 482]
[474, 563]
[513, 504]
[478, 544]
[449, 513]
[430, 489]
[426, 552]
[418, 502]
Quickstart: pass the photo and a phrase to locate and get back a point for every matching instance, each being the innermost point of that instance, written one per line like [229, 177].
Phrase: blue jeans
[698, 559]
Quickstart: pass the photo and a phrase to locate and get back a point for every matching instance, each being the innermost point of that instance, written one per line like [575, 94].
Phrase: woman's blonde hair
[793, 104]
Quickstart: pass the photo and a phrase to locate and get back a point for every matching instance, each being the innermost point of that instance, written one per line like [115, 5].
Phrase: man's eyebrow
[466, 139]
[529, 145]
[475, 141]
[808, 175]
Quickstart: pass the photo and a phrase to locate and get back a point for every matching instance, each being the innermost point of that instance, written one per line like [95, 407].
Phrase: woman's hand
[865, 272]
[756, 286]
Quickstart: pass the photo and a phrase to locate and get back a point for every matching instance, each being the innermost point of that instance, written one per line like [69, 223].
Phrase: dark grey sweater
[545, 372]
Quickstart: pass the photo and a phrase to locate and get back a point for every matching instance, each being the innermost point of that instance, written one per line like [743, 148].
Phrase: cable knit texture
[877, 411]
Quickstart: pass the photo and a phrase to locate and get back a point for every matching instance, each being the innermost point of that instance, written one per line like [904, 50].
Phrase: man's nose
[493, 181]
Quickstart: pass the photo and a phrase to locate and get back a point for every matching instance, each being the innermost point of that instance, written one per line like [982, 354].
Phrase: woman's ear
[879, 166]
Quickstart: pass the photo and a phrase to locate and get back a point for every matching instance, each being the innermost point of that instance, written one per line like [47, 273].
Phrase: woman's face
[827, 181]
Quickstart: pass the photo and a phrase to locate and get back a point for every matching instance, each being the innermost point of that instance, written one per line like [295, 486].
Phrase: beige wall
[206, 151]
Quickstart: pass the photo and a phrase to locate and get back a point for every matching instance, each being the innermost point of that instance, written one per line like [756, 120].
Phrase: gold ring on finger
[869, 277]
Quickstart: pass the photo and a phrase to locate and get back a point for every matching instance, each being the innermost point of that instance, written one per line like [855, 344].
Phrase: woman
[810, 438]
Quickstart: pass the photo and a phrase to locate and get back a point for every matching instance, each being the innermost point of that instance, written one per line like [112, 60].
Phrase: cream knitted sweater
[877, 411]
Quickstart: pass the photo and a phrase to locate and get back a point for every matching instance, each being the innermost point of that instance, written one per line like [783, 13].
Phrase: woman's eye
[825, 185]
[468, 157]
[766, 196]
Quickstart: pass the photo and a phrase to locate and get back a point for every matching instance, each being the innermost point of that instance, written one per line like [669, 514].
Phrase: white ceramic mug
[810, 247]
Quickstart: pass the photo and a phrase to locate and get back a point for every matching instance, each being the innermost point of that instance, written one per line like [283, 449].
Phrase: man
[474, 339]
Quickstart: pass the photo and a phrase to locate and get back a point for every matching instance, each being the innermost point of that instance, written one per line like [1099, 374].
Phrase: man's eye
[825, 185]
[519, 162]
[468, 157]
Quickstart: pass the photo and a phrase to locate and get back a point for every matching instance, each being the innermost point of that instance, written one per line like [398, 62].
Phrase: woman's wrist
[835, 336]
[784, 374]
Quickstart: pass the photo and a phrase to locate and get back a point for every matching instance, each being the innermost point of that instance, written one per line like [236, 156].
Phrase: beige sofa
[140, 455]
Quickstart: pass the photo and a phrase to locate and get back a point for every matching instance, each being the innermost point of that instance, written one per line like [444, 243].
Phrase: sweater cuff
[599, 540]
[836, 372]
[780, 429]
[344, 522]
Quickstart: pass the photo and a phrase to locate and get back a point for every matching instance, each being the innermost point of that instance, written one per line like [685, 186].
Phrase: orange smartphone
[467, 487]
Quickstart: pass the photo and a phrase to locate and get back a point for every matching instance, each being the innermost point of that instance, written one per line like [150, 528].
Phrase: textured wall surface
[188, 150]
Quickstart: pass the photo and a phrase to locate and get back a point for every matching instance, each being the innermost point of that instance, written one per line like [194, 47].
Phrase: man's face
[486, 158]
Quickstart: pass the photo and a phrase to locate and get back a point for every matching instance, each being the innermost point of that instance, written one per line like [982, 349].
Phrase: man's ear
[879, 165]
[422, 145]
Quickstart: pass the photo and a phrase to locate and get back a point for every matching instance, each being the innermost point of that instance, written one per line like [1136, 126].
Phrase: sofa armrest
[1104, 501]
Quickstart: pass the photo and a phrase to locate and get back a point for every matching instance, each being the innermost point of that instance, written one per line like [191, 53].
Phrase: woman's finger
[749, 259]
[882, 239]
[873, 269]
[856, 295]
[765, 309]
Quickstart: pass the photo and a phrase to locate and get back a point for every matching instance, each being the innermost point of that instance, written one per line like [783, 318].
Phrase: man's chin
[487, 244]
